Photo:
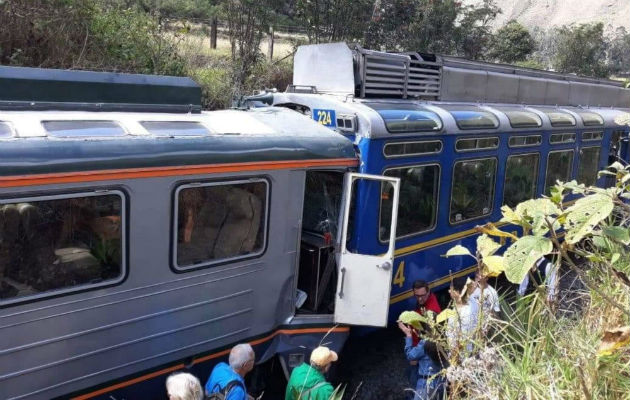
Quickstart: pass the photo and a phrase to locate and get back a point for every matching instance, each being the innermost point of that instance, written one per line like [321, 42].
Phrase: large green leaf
[585, 214]
[486, 246]
[520, 257]
[536, 207]
[458, 250]
[618, 233]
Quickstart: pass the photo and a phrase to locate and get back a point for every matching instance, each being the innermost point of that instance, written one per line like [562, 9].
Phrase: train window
[58, 244]
[522, 119]
[559, 165]
[175, 128]
[560, 118]
[524, 141]
[472, 192]
[521, 173]
[405, 149]
[591, 119]
[5, 130]
[417, 210]
[588, 166]
[78, 128]
[592, 136]
[477, 144]
[402, 118]
[321, 206]
[558, 138]
[219, 222]
[472, 117]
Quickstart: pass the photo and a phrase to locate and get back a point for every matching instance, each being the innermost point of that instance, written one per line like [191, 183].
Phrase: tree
[619, 52]
[474, 33]
[248, 21]
[512, 43]
[581, 49]
[334, 20]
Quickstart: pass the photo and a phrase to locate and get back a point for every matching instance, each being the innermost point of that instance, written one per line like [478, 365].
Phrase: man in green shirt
[307, 382]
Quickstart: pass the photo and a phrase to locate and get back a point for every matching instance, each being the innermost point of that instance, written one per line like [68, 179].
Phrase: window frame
[377, 107]
[580, 161]
[575, 138]
[437, 197]
[572, 150]
[536, 176]
[461, 139]
[197, 184]
[413, 154]
[152, 132]
[496, 170]
[118, 124]
[516, 146]
[526, 126]
[80, 193]
[591, 139]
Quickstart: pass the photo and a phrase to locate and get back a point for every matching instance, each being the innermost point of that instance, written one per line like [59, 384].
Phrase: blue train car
[464, 138]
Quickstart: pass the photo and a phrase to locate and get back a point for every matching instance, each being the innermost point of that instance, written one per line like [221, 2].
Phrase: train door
[332, 279]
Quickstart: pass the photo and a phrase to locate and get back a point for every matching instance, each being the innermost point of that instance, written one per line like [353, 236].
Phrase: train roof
[376, 117]
[34, 142]
[350, 70]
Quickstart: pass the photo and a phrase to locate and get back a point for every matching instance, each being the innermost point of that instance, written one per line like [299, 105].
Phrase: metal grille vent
[397, 75]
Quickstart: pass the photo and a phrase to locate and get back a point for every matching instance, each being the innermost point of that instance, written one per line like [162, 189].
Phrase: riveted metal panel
[557, 93]
[580, 94]
[463, 85]
[532, 90]
[502, 88]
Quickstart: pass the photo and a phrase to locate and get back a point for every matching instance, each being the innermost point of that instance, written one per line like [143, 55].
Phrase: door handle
[385, 266]
[343, 278]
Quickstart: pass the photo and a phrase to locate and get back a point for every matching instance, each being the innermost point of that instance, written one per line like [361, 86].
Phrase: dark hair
[436, 353]
[420, 283]
[459, 283]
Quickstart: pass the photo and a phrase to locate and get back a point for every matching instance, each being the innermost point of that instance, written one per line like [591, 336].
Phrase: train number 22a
[325, 117]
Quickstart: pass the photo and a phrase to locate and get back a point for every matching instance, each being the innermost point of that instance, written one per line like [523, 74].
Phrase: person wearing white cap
[307, 382]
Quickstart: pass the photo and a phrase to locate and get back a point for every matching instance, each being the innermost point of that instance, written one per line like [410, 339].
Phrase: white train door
[364, 281]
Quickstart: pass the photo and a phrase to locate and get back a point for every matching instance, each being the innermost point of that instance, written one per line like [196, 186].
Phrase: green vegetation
[571, 345]
[173, 37]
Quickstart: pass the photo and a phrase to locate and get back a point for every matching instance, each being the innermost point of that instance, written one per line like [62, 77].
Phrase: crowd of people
[227, 381]
[429, 346]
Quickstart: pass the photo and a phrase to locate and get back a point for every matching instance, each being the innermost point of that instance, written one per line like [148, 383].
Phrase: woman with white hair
[183, 386]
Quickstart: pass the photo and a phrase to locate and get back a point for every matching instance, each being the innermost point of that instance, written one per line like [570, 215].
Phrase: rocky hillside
[554, 13]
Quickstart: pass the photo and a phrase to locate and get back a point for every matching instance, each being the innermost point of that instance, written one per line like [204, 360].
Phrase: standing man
[307, 382]
[229, 380]
[425, 301]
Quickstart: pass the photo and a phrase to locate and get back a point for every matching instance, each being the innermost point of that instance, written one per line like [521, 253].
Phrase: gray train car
[141, 236]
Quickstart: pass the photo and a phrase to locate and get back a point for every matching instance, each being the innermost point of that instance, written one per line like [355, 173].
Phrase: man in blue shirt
[229, 379]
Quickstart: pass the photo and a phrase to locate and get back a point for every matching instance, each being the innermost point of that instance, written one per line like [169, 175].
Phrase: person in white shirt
[490, 302]
[460, 327]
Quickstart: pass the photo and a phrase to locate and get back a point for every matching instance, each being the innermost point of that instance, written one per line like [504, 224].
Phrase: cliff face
[547, 14]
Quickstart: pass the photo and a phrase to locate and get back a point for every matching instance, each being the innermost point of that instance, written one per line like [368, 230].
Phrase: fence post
[270, 50]
[213, 33]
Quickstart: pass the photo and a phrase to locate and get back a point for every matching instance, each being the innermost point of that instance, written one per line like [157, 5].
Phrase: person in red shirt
[425, 300]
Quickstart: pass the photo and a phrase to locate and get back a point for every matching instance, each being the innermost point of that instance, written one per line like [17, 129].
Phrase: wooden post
[213, 33]
[270, 50]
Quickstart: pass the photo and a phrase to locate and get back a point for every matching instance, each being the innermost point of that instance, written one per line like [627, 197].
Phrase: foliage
[333, 20]
[572, 345]
[619, 51]
[581, 49]
[446, 27]
[87, 34]
[512, 43]
[248, 21]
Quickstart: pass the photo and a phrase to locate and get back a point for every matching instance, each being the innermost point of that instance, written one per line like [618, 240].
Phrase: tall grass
[538, 352]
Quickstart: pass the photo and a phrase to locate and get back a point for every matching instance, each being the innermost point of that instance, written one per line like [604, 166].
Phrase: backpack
[222, 394]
